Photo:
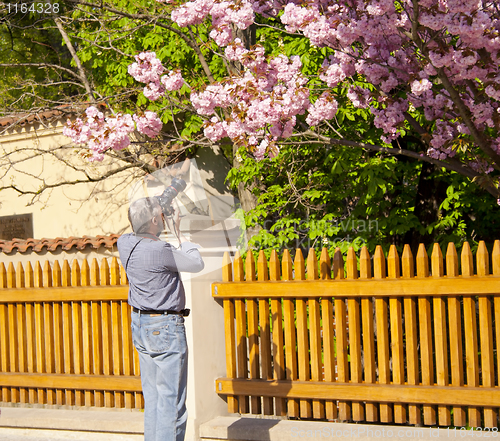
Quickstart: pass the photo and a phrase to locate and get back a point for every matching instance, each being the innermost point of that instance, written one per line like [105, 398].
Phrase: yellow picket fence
[336, 340]
[65, 336]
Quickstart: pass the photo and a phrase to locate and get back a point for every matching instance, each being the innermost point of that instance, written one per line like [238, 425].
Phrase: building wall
[35, 154]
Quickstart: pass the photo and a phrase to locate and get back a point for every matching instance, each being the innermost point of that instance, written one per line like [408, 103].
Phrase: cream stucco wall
[35, 154]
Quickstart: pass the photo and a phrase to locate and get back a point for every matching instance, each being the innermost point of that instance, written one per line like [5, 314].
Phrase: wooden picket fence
[332, 341]
[65, 336]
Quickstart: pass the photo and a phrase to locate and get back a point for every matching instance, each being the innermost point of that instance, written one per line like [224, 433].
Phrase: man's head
[145, 216]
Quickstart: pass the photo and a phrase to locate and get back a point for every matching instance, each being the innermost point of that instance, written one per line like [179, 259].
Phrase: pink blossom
[153, 91]
[99, 133]
[480, 165]
[147, 68]
[214, 130]
[493, 91]
[261, 149]
[192, 13]
[235, 51]
[359, 96]
[443, 133]
[222, 35]
[334, 70]
[296, 17]
[173, 81]
[257, 103]
[419, 87]
[323, 109]
[149, 124]
[77, 131]
[390, 119]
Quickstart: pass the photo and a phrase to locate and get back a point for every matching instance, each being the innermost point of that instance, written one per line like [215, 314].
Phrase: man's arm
[188, 258]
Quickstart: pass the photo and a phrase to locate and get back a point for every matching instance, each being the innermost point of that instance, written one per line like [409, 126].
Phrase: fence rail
[372, 339]
[65, 336]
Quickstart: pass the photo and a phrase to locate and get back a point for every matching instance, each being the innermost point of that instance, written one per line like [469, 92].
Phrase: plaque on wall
[18, 226]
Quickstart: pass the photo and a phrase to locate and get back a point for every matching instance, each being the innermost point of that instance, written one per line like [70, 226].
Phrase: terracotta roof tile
[66, 243]
[42, 116]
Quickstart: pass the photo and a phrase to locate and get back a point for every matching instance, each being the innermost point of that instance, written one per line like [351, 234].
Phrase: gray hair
[141, 212]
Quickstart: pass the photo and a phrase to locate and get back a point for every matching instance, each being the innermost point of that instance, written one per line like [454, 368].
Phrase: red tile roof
[44, 115]
[66, 243]
[23, 119]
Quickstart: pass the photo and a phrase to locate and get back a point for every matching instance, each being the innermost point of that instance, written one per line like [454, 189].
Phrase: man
[157, 298]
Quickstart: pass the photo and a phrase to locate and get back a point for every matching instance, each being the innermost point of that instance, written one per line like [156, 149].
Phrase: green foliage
[25, 87]
[345, 197]
[313, 194]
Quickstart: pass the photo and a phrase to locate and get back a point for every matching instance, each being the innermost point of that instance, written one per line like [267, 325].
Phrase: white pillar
[205, 336]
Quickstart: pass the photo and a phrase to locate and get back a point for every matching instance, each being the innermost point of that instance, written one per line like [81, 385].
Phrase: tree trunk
[430, 193]
[247, 199]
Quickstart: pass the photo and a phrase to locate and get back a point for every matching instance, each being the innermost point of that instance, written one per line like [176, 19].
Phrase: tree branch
[47, 65]
[191, 42]
[467, 117]
[74, 182]
[76, 59]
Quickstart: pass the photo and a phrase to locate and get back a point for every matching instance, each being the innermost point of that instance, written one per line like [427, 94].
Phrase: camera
[166, 198]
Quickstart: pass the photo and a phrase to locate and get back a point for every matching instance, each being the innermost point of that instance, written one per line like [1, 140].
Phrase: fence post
[277, 332]
[30, 332]
[396, 320]
[265, 332]
[4, 342]
[455, 327]
[470, 328]
[341, 336]
[290, 337]
[302, 334]
[486, 334]
[76, 310]
[315, 333]
[425, 320]
[12, 320]
[365, 271]
[328, 336]
[232, 402]
[439, 304]
[58, 331]
[381, 312]
[353, 304]
[410, 311]
[495, 265]
[68, 274]
[241, 334]
[21, 332]
[49, 336]
[253, 325]
[87, 333]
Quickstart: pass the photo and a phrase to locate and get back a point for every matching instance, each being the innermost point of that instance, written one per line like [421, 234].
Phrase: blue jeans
[161, 343]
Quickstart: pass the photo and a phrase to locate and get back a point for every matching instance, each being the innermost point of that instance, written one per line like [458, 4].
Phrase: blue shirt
[153, 267]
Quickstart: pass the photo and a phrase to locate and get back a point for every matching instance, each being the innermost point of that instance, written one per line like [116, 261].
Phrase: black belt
[184, 312]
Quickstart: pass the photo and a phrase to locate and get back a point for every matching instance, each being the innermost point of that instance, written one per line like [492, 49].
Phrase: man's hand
[174, 222]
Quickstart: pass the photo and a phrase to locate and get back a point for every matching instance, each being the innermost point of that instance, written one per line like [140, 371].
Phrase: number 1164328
[36, 8]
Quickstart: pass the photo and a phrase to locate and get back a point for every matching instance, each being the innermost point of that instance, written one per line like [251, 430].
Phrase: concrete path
[35, 424]
[9, 434]
[256, 429]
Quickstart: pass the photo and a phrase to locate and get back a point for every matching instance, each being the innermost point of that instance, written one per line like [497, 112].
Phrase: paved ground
[17, 434]
[37, 424]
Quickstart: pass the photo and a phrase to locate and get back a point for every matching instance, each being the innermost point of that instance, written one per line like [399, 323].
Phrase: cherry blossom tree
[344, 110]
[423, 70]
